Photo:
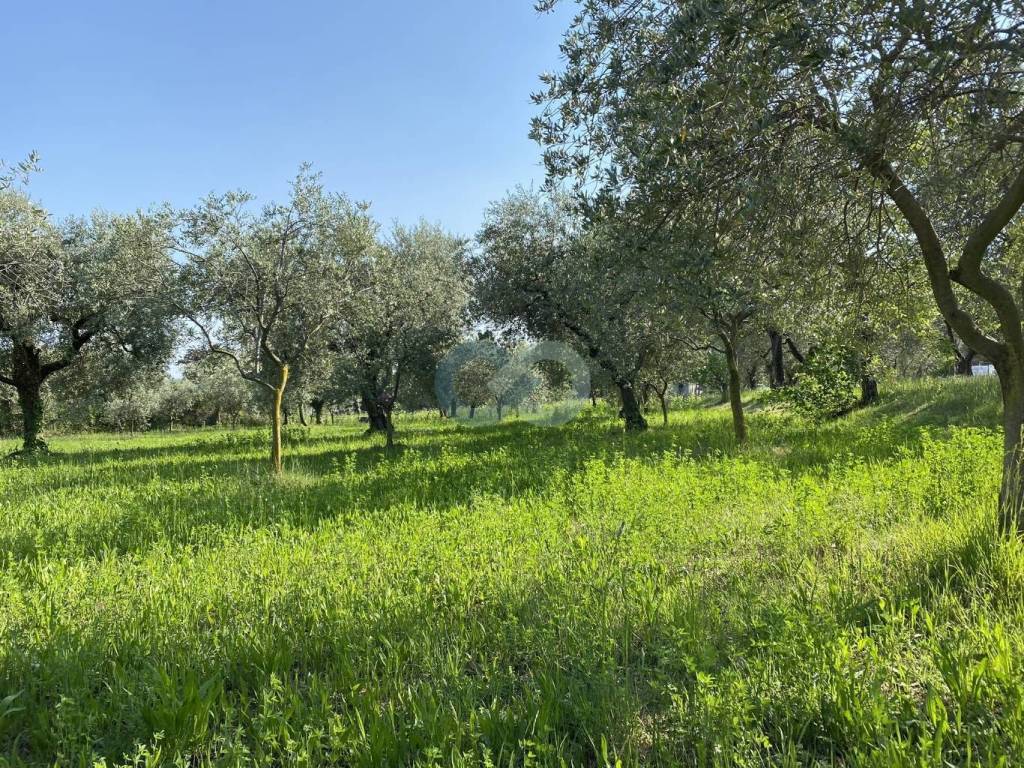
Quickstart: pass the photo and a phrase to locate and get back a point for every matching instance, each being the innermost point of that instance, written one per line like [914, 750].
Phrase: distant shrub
[825, 386]
[130, 411]
[713, 375]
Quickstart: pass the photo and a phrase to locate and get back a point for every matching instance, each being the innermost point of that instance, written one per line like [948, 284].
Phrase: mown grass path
[518, 595]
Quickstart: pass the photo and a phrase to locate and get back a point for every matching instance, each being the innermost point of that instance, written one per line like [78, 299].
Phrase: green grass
[513, 595]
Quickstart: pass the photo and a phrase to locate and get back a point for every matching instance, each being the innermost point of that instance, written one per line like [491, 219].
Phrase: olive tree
[263, 286]
[221, 395]
[666, 367]
[73, 286]
[408, 310]
[719, 249]
[925, 98]
[472, 382]
[544, 271]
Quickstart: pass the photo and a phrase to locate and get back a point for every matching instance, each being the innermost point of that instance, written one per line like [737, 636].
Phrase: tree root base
[37, 450]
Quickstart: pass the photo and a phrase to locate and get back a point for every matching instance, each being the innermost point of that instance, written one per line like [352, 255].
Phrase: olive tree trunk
[776, 364]
[631, 413]
[378, 415]
[317, 405]
[31, 402]
[28, 376]
[739, 424]
[1011, 493]
[868, 389]
[276, 454]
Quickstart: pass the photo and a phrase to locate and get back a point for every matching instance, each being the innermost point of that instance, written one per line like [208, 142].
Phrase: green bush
[825, 386]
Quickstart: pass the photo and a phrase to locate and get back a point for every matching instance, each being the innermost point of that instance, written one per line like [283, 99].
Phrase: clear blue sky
[420, 107]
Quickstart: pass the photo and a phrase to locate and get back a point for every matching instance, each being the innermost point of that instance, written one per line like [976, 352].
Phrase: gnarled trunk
[631, 413]
[28, 380]
[378, 414]
[377, 418]
[31, 401]
[28, 372]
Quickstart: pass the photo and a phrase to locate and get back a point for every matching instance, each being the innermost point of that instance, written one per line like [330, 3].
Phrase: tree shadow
[197, 486]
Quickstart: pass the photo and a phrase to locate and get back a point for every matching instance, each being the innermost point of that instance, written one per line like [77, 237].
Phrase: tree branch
[968, 270]
[79, 339]
[218, 350]
[935, 261]
[794, 350]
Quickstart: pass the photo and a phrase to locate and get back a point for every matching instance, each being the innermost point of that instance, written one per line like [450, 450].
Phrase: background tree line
[299, 311]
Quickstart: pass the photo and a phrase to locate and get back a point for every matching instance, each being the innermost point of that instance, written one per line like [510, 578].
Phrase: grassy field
[521, 596]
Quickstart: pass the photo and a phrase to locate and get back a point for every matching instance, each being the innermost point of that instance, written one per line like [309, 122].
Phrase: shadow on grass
[199, 485]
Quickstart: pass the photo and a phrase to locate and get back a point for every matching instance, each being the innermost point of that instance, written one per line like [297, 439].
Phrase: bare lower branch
[218, 350]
